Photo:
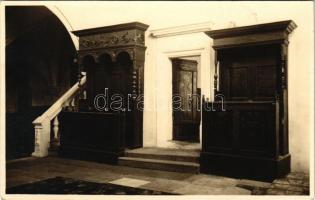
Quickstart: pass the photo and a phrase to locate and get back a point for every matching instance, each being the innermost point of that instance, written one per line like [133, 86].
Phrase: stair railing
[42, 124]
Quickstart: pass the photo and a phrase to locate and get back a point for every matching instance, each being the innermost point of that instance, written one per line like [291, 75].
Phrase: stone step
[165, 154]
[163, 165]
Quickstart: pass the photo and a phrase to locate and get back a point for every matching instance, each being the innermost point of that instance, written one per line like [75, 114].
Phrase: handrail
[42, 124]
[57, 106]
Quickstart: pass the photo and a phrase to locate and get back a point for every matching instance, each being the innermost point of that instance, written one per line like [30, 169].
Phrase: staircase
[48, 121]
[165, 159]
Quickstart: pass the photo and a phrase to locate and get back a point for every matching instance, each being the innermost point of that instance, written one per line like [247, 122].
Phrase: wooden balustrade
[42, 124]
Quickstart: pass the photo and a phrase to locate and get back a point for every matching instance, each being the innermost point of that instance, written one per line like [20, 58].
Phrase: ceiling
[21, 19]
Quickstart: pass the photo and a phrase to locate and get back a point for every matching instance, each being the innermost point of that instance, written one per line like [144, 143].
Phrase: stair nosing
[161, 154]
[194, 164]
[179, 158]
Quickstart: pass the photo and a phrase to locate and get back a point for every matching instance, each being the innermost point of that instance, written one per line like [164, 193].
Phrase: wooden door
[186, 115]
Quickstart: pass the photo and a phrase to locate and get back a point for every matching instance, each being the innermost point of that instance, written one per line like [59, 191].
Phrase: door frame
[200, 52]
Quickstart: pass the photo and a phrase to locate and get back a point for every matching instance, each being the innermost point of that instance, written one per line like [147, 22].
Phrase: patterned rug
[61, 185]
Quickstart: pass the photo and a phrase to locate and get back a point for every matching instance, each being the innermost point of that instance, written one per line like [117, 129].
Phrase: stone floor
[35, 169]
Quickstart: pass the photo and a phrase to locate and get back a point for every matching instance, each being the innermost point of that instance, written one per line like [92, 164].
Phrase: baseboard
[102, 156]
[256, 168]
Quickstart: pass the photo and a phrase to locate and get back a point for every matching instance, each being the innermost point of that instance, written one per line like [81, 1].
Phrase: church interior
[190, 102]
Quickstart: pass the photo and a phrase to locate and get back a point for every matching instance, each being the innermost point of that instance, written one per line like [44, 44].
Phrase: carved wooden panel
[243, 128]
[104, 143]
[239, 82]
[248, 73]
[128, 34]
[185, 114]
[104, 40]
[255, 131]
[218, 131]
[265, 81]
[185, 88]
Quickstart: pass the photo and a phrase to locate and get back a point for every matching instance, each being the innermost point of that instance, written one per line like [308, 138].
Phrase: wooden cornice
[288, 26]
[112, 28]
[269, 33]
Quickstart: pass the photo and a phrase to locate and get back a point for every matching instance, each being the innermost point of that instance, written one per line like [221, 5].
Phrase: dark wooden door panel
[239, 82]
[243, 128]
[247, 75]
[218, 131]
[186, 118]
[265, 81]
[255, 131]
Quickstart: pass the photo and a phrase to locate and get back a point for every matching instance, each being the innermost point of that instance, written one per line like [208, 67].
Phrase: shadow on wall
[39, 69]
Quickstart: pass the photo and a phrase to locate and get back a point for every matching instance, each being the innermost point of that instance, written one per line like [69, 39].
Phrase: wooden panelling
[92, 136]
[248, 138]
[113, 57]
[242, 128]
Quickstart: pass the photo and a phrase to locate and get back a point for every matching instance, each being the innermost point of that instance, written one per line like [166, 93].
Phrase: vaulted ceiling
[22, 19]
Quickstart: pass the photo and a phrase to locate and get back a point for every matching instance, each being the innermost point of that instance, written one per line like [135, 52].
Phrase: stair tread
[160, 161]
[165, 151]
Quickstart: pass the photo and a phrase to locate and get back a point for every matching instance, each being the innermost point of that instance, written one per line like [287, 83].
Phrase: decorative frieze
[112, 36]
[105, 40]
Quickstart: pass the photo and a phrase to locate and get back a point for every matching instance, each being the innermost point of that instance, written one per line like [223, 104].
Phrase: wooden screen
[249, 73]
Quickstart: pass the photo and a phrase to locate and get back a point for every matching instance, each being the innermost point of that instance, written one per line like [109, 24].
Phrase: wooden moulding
[121, 35]
[275, 32]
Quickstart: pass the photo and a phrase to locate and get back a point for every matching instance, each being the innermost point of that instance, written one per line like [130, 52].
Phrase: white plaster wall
[157, 120]
[196, 44]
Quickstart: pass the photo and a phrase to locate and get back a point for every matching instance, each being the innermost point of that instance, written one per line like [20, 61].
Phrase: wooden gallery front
[244, 130]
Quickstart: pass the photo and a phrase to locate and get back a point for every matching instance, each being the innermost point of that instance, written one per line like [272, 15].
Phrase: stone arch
[40, 68]
[57, 12]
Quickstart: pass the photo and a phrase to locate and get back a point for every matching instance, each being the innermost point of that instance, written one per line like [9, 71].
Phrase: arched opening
[104, 59]
[39, 69]
[112, 79]
[123, 59]
[87, 62]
